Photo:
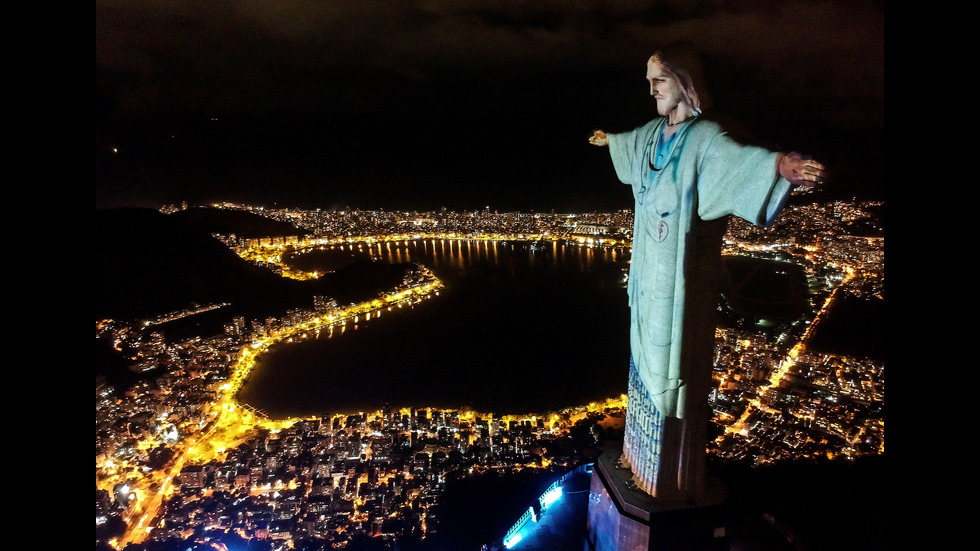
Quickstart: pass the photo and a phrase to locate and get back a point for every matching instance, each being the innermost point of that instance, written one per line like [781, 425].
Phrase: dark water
[515, 330]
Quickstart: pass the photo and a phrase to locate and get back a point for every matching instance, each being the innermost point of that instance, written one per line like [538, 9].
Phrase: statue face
[664, 88]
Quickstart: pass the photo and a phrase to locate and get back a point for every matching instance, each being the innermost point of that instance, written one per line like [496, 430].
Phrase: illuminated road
[787, 364]
[235, 423]
[150, 506]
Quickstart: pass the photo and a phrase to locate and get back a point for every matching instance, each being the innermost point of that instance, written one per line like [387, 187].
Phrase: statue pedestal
[621, 517]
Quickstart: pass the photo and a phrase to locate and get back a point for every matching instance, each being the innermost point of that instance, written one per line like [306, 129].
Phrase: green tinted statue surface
[687, 176]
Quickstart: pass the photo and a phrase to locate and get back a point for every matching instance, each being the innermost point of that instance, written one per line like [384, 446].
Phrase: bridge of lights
[428, 287]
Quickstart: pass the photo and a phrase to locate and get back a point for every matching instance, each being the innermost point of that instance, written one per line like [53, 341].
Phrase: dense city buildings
[178, 459]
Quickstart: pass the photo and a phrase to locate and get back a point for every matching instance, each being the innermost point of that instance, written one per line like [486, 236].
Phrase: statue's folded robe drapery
[705, 176]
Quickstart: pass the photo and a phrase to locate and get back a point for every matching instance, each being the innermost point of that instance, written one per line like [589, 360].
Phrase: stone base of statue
[622, 517]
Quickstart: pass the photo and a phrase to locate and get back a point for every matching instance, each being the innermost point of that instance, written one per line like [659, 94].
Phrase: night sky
[419, 105]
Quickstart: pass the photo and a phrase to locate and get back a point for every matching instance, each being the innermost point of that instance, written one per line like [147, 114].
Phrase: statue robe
[706, 176]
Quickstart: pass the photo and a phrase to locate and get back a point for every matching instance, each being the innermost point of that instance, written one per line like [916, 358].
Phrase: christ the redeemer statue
[687, 176]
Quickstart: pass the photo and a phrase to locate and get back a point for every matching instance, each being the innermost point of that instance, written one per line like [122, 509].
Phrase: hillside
[149, 263]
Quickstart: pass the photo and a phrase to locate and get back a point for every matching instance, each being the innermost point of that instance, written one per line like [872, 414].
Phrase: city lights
[775, 398]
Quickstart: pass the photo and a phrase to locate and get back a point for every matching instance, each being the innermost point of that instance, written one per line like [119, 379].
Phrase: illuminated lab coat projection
[701, 175]
[687, 177]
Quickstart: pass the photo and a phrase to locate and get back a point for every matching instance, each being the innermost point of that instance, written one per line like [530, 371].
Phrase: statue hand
[800, 170]
[599, 138]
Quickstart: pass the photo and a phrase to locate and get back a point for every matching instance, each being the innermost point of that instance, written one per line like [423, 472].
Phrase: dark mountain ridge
[149, 263]
[238, 222]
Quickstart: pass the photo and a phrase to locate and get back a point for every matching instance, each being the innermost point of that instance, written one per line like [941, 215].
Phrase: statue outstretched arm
[599, 138]
[800, 170]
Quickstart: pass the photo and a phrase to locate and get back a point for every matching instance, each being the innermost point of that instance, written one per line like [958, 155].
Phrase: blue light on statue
[513, 540]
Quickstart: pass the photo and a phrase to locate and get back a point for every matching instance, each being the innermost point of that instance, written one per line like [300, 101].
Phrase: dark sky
[417, 105]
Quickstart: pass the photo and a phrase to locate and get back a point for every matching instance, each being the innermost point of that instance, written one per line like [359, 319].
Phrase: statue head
[681, 63]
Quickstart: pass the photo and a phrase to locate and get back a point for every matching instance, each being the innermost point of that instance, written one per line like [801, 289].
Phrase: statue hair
[683, 63]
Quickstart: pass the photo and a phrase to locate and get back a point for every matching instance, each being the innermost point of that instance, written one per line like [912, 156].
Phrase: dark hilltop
[150, 264]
